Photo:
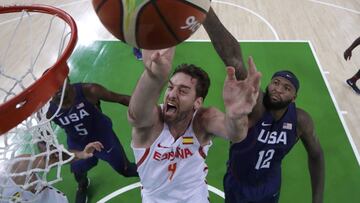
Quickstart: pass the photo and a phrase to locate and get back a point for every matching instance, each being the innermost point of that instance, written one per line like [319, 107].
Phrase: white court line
[136, 185]
[336, 6]
[340, 113]
[254, 13]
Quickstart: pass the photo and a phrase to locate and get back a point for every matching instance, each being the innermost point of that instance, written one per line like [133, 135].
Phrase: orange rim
[17, 109]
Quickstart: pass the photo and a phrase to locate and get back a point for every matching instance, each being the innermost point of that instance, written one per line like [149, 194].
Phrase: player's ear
[198, 103]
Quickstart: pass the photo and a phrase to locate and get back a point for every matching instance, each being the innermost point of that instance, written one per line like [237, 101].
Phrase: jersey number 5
[264, 159]
[172, 169]
[81, 129]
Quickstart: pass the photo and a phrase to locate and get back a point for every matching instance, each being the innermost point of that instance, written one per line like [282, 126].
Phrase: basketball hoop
[26, 86]
[18, 108]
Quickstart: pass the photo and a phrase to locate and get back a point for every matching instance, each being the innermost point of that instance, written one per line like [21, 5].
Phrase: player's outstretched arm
[315, 155]
[240, 97]
[225, 44]
[97, 92]
[143, 109]
[347, 53]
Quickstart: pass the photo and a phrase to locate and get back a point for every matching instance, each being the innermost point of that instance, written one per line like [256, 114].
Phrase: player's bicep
[213, 122]
[144, 120]
[97, 92]
[308, 135]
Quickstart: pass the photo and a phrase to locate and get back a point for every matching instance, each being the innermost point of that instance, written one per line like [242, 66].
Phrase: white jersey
[172, 170]
[13, 193]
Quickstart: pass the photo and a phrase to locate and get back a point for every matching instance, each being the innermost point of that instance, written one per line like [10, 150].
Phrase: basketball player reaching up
[171, 141]
[48, 194]
[275, 126]
[83, 121]
[347, 56]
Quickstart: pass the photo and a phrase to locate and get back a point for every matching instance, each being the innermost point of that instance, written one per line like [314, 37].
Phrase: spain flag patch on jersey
[188, 140]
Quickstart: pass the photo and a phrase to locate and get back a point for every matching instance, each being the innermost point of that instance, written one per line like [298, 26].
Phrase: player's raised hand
[89, 150]
[158, 63]
[240, 96]
[347, 54]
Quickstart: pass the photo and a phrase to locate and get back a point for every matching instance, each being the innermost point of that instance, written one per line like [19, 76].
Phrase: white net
[31, 42]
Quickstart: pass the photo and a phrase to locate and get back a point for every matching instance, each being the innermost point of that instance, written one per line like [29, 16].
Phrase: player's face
[279, 93]
[180, 97]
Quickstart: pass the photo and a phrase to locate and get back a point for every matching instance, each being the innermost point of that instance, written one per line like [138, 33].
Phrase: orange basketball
[152, 24]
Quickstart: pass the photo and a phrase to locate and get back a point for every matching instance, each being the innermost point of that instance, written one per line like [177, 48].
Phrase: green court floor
[112, 64]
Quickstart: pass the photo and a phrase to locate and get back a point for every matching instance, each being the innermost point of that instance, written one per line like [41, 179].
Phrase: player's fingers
[252, 66]
[99, 144]
[155, 56]
[230, 73]
[167, 51]
[256, 81]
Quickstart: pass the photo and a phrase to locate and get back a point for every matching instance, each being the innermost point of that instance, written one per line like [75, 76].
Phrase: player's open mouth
[170, 108]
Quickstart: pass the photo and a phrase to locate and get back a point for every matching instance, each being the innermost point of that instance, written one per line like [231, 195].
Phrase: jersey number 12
[264, 159]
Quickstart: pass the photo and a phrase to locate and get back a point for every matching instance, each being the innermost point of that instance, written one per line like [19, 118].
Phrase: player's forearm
[236, 128]
[354, 44]
[225, 44]
[117, 98]
[317, 174]
[144, 100]
[123, 99]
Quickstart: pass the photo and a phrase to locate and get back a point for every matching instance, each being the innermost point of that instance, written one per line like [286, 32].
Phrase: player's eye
[183, 91]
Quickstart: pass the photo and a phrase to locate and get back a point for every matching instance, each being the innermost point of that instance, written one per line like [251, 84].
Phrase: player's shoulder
[303, 118]
[90, 86]
[91, 90]
[207, 112]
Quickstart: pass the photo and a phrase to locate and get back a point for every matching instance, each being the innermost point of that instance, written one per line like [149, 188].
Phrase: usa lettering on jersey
[74, 117]
[269, 137]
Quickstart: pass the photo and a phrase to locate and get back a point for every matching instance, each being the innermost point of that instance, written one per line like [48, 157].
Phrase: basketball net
[31, 46]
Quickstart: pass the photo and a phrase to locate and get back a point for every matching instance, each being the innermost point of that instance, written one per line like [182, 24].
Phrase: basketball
[151, 24]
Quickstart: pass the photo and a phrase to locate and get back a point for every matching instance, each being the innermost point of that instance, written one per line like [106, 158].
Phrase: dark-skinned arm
[347, 53]
[98, 92]
[225, 44]
[316, 161]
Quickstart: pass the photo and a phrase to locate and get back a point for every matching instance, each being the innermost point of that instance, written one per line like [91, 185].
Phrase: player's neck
[178, 128]
[279, 113]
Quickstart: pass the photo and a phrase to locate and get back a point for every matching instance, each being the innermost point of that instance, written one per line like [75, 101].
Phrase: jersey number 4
[172, 169]
[264, 159]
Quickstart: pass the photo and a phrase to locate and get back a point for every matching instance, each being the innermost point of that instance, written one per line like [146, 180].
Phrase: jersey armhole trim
[144, 156]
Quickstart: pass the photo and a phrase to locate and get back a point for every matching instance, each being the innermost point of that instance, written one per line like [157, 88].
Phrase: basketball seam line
[165, 22]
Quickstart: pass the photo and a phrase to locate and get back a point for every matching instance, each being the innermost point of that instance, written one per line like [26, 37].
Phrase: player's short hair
[203, 80]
